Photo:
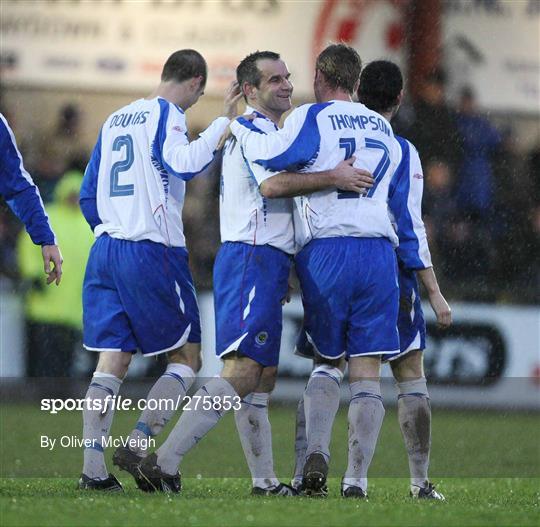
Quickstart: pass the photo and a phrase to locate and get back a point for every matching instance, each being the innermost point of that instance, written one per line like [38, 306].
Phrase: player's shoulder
[5, 130]
[407, 147]
[405, 144]
[263, 123]
[311, 108]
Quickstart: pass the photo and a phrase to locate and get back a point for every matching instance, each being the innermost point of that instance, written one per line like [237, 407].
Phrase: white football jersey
[139, 168]
[317, 137]
[245, 215]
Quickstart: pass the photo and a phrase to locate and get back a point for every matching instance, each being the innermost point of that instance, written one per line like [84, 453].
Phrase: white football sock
[300, 444]
[255, 434]
[165, 399]
[414, 415]
[366, 413]
[97, 422]
[321, 402]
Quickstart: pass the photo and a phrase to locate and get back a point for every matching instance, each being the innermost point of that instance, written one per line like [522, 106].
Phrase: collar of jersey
[175, 105]
[250, 110]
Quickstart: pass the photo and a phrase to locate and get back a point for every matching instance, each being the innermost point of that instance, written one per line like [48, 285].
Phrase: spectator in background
[55, 315]
[60, 149]
[517, 179]
[474, 185]
[432, 124]
[22, 196]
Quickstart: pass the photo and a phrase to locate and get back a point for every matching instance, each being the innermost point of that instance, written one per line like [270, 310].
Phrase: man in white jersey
[250, 283]
[381, 89]
[347, 267]
[138, 292]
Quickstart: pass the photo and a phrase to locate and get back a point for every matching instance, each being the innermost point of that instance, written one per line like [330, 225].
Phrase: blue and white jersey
[317, 137]
[134, 185]
[245, 215]
[405, 203]
[19, 191]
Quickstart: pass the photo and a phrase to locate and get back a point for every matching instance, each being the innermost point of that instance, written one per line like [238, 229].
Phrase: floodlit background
[473, 106]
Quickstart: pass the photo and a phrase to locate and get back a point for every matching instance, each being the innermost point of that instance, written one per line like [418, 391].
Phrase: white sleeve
[180, 157]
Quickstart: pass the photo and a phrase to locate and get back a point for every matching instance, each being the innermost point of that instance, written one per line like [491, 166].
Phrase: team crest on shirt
[418, 176]
[261, 338]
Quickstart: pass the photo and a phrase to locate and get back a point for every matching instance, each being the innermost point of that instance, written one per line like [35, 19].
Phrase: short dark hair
[183, 65]
[341, 66]
[248, 71]
[381, 83]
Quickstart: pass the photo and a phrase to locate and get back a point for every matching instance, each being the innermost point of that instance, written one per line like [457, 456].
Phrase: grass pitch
[487, 465]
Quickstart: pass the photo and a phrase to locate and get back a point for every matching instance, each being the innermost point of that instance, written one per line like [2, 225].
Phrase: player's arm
[291, 148]
[172, 148]
[436, 299]
[405, 203]
[290, 184]
[22, 196]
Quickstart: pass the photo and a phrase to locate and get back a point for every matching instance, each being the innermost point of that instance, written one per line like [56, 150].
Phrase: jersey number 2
[122, 166]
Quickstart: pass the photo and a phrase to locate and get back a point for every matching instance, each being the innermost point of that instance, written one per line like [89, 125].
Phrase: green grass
[487, 465]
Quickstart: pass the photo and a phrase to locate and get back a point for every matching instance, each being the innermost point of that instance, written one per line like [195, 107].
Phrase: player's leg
[164, 316]
[255, 434]
[98, 415]
[321, 269]
[321, 403]
[166, 395]
[305, 350]
[300, 445]
[414, 410]
[106, 330]
[249, 283]
[239, 377]
[372, 334]
[414, 415]
[163, 400]
[365, 416]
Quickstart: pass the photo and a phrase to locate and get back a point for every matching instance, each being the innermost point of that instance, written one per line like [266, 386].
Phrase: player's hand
[349, 178]
[288, 296]
[441, 309]
[232, 96]
[51, 253]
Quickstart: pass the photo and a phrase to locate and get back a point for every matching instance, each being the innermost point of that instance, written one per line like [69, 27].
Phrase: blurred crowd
[481, 208]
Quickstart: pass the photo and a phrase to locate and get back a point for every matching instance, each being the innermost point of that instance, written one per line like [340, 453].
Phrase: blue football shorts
[350, 295]
[411, 322]
[138, 295]
[250, 281]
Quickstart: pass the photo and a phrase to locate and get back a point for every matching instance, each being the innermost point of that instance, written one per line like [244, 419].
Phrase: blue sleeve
[304, 150]
[88, 194]
[293, 148]
[409, 250]
[20, 192]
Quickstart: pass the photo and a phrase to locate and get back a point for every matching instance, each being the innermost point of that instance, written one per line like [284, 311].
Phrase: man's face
[275, 89]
